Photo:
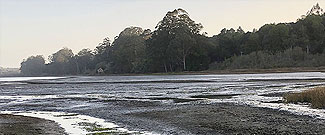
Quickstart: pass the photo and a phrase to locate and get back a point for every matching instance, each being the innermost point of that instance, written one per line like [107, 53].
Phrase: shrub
[315, 96]
[295, 57]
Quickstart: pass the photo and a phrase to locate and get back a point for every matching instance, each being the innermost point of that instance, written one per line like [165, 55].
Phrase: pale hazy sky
[32, 27]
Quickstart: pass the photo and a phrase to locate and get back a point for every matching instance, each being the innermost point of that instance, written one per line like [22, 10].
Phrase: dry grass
[314, 96]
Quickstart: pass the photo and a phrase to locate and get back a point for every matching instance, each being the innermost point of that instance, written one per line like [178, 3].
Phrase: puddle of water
[220, 96]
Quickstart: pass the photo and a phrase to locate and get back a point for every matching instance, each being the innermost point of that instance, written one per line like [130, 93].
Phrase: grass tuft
[314, 96]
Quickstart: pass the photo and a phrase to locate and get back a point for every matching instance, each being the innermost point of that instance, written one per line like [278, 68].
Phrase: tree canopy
[178, 44]
[173, 41]
[33, 65]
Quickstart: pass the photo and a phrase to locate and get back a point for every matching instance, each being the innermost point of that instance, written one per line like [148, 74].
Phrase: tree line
[178, 44]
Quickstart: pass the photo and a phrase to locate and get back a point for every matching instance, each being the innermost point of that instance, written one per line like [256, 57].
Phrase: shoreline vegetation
[228, 71]
[205, 72]
[314, 96]
[178, 45]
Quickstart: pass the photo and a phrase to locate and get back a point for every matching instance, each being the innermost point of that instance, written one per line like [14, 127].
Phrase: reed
[314, 96]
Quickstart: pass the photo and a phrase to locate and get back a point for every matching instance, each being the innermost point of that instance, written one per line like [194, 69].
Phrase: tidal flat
[167, 104]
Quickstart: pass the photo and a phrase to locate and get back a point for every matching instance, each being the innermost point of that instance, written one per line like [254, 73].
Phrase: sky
[42, 27]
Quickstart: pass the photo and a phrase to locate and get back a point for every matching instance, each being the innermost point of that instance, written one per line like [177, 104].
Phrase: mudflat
[228, 119]
[186, 119]
[22, 125]
[174, 104]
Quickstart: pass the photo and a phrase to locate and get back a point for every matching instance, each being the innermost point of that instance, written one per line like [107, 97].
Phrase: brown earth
[22, 125]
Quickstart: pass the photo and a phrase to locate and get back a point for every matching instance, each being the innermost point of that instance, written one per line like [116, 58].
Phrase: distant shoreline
[206, 72]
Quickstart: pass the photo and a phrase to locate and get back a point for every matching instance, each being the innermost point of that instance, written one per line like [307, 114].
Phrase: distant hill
[9, 71]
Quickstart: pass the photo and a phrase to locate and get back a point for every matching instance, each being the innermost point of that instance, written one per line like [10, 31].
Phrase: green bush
[295, 57]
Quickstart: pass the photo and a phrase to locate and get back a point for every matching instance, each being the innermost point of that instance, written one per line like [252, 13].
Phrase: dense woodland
[178, 44]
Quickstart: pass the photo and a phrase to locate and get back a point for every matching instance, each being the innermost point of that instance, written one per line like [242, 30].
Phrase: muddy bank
[20, 125]
[226, 119]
